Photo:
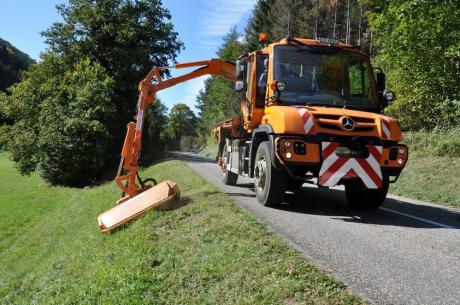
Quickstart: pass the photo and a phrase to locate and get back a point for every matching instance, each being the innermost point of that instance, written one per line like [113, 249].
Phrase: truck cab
[311, 112]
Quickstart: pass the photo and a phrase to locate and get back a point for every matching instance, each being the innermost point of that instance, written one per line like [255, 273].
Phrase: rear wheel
[361, 198]
[228, 177]
[269, 183]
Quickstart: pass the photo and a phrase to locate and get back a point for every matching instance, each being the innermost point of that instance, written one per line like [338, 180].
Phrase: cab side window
[360, 84]
[261, 77]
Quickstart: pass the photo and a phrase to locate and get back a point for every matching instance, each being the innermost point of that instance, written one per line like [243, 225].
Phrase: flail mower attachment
[154, 197]
[139, 198]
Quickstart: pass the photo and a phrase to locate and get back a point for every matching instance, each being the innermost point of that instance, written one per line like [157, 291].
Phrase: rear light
[398, 154]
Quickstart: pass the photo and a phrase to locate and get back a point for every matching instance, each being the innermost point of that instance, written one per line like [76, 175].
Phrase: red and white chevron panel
[385, 127]
[307, 120]
[335, 168]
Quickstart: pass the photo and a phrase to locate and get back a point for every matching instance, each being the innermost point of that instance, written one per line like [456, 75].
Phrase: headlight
[287, 144]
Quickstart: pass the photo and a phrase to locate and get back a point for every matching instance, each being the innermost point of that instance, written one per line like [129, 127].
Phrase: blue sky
[201, 25]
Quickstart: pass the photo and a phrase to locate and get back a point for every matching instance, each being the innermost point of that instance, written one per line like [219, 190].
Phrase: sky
[201, 25]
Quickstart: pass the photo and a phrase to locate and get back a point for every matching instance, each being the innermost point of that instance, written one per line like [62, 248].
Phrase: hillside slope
[12, 61]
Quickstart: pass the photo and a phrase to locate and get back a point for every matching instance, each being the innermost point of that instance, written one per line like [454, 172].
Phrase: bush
[62, 118]
[449, 148]
[437, 142]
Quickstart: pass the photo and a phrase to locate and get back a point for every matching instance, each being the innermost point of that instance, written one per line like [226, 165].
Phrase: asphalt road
[407, 252]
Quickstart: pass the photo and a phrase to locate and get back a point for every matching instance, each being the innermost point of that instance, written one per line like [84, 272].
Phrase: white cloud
[192, 89]
[219, 18]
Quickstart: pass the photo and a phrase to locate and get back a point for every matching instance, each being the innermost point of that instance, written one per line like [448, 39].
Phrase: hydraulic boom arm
[148, 87]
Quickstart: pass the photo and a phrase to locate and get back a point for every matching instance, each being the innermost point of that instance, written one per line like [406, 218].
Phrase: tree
[61, 115]
[154, 139]
[181, 123]
[419, 44]
[126, 37]
[71, 110]
[219, 100]
[259, 22]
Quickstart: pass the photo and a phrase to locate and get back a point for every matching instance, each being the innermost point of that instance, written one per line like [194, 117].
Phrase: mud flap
[154, 197]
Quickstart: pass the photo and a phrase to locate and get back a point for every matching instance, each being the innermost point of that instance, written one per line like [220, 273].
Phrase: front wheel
[269, 183]
[361, 198]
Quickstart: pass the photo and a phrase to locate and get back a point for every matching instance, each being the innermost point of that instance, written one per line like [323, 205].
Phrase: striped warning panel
[335, 168]
[385, 127]
[307, 120]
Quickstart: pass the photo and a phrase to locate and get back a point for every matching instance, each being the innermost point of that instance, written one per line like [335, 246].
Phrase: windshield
[324, 76]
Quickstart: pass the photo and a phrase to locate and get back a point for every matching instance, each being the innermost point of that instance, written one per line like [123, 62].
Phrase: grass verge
[432, 171]
[209, 150]
[208, 251]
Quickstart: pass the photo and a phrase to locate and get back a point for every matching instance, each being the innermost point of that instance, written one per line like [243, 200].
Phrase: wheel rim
[260, 174]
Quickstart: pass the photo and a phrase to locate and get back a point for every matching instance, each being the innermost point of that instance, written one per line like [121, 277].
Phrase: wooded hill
[12, 61]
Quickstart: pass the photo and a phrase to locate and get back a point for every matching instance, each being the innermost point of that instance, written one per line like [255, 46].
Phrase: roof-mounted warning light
[263, 39]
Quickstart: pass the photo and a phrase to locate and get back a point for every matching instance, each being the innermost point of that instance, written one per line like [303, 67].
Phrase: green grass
[432, 172]
[209, 150]
[208, 251]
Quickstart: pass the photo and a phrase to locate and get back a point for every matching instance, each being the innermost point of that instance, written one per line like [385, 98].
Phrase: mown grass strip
[208, 251]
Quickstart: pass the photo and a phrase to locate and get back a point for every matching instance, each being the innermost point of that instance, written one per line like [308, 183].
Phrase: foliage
[115, 43]
[343, 20]
[12, 61]
[219, 100]
[154, 139]
[61, 115]
[126, 37]
[436, 142]
[181, 123]
[419, 43]
[207, 252]
[258, 22]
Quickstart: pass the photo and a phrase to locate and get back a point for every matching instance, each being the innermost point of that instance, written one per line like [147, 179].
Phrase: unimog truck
[311, 113]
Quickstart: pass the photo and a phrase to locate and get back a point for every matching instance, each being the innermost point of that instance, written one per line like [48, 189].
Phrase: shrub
[61, 119]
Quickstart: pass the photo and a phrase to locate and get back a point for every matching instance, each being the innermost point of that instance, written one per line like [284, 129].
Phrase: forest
[69, 110]
[402, 38]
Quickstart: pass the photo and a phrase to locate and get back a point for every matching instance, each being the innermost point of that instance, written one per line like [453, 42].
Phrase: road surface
[407, 252]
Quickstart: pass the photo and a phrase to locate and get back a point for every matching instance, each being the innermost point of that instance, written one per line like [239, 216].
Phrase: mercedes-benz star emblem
[348, 123]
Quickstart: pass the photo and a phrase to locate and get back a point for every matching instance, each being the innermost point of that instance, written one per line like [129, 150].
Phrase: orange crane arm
[148, 87]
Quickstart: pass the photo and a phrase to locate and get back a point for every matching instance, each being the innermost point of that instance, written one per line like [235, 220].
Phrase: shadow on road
[329, 202]
[332, 203]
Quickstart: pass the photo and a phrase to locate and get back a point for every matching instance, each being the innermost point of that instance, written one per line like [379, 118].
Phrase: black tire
[269, 183]
[361, 198]
[294, 184]
[228, 177]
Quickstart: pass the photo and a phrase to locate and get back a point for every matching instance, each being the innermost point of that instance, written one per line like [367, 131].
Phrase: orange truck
[310, 113]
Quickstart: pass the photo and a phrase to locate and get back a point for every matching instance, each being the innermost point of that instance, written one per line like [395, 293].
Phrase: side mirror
[240, 68]
[240, 86]
[389, 96]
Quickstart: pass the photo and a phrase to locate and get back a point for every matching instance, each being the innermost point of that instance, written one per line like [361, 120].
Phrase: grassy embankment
[208, 251]
[432, 172]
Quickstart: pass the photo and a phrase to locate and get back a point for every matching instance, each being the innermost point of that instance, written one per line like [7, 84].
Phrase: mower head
[154, 197]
